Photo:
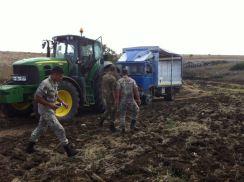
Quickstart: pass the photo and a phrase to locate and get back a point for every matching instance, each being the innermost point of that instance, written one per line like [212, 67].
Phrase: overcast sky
[181, 26]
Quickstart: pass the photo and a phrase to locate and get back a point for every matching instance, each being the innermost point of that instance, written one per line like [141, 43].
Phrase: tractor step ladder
[90, 100]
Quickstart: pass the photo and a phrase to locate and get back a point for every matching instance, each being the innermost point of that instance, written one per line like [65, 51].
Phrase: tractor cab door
[90, 53]
[86, 57]
[64, 49]
[71, 56]
[68, 51]
[98, 50]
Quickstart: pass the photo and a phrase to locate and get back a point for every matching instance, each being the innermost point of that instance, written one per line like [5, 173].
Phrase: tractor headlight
[19, 78]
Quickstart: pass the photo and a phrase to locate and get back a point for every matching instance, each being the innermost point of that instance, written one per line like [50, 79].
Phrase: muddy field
[198, 137]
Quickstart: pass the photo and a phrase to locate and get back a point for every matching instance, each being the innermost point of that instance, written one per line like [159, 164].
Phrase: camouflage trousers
[110, 112]
[49, 119]
[127, 106]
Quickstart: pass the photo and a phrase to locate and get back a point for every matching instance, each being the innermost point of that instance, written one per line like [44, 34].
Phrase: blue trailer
[158, 73]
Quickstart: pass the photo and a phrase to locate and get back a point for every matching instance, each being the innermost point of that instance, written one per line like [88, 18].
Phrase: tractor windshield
[64, 50]
[89, 52]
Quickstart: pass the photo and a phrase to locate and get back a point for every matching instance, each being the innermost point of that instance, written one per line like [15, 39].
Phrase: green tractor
[82, 60]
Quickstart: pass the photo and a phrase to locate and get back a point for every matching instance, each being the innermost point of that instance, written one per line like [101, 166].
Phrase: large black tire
[170, 94]
[10, 111]
[71, 89]
[99, 103]
[146, 99]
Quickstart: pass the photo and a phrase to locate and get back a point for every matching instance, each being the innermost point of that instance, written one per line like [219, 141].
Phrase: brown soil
[198, 137]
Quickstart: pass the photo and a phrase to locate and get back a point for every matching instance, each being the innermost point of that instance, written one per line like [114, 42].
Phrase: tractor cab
[80, 52]
[85, 58]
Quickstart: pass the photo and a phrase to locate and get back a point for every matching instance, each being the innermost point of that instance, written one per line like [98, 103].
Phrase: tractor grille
[31, 72]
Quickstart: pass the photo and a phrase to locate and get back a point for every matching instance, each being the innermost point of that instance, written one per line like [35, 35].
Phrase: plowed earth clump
[197, 137]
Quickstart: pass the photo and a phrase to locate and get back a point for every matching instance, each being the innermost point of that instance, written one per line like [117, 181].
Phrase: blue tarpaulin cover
[144, 53]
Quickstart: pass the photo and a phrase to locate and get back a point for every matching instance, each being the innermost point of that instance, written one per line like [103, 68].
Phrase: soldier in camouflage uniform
[127, 98]
[46, 97]
[109, 85]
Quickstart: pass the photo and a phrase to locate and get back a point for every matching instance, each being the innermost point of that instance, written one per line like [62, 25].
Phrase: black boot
[122, 131]
[101, 121]
[30, 147]
[112, 128]
[133, 125]
[69, 151]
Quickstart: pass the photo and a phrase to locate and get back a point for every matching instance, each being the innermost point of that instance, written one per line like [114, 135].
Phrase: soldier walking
[127, 98]
[109, 85]
[46, 97]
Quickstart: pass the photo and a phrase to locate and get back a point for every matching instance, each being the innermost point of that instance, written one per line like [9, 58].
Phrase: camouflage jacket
[48, 89]
[125, 87]
[109, 84]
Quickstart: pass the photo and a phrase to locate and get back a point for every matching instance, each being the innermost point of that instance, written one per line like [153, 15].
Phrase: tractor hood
[38, 69]
[34, 70]
[40, 61]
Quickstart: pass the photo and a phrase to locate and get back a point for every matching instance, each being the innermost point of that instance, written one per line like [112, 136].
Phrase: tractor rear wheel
[17, 109]
[69, 94]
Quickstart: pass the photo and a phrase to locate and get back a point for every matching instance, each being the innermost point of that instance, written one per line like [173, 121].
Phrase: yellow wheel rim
[21, 106]
[66, 97]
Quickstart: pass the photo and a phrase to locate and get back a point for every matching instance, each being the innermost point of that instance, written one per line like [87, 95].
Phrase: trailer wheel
[146, 99]
[170, 94]
[69, 94]
[17, 109]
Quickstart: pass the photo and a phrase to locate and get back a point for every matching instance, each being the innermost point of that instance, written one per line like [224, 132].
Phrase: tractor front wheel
[17, 109]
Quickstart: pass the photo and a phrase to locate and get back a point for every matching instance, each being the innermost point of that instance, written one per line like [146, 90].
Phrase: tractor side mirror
[44, 45]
